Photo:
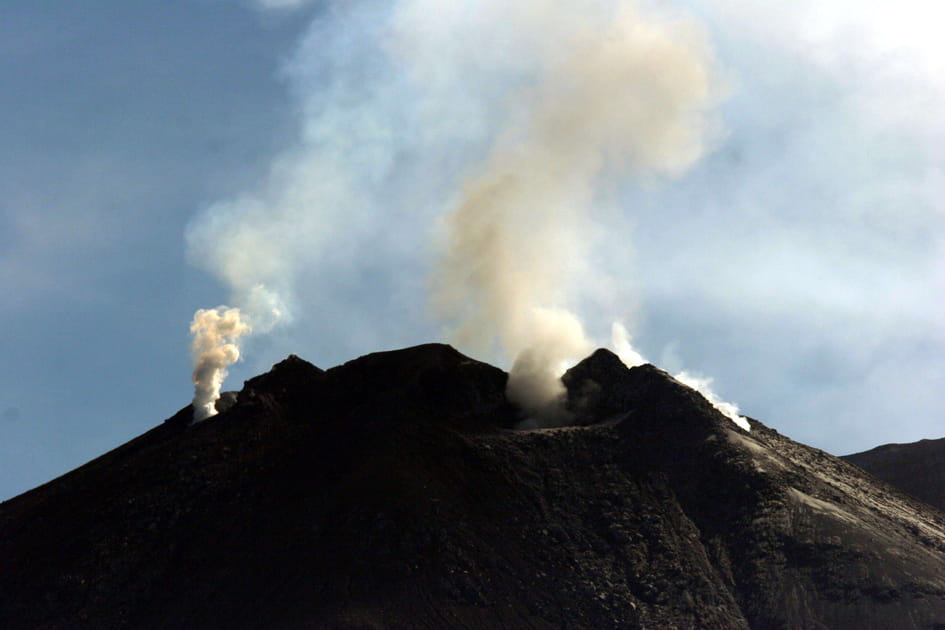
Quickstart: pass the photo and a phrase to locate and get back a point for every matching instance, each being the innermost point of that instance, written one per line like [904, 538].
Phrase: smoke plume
[216, 333]
[614, 93]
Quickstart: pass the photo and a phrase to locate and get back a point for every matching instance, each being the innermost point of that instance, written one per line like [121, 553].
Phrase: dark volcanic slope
[917, 468]
[390, 492]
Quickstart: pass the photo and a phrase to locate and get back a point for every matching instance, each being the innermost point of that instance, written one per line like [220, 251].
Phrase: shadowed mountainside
[393, 492]
[917, 468]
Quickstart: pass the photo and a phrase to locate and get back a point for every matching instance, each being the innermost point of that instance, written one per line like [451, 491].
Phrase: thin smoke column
[215, 346]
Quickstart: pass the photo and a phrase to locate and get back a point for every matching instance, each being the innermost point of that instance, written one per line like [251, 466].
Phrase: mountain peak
[290, 371]
[602, 387]
[601, 360]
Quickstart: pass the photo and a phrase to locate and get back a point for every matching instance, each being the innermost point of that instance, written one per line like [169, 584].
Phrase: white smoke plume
[215, 346]
[216, 334]
[615, 92]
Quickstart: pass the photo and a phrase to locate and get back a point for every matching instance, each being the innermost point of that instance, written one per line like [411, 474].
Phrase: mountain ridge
[917, 468]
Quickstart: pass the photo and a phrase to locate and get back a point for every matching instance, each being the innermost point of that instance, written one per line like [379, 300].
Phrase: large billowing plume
[613, 93]
[501, 132]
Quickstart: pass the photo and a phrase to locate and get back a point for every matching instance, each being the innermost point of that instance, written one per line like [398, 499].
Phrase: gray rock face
[392, 492]
[917, 468]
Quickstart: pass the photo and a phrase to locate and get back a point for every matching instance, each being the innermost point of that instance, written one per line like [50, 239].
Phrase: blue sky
[800, 263]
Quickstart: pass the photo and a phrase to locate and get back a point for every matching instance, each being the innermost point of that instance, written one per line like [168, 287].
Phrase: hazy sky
[800, 262]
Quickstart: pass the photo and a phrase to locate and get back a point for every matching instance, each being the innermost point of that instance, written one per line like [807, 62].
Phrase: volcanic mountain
[395, 492]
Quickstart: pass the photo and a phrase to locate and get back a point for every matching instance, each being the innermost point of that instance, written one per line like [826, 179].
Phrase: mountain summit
[395, 492]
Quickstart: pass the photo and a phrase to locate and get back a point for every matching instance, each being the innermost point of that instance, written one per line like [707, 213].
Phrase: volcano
[395, 492]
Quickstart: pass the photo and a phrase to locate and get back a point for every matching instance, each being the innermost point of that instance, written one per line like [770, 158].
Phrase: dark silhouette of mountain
[393, 492]
[917, 468]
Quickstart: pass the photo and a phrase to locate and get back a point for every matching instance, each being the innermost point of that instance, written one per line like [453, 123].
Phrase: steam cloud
[504, 125]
